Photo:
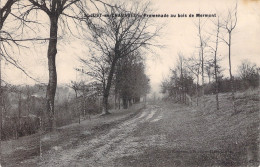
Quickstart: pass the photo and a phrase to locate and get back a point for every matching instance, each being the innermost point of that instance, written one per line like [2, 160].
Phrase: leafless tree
[215, 65]
[203, 40]
[54, 9]
[116, 37]
[229, 25]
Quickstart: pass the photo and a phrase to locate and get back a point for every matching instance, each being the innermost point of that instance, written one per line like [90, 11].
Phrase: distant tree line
[182, 82]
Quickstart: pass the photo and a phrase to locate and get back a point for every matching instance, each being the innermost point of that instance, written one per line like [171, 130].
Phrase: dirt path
[104, 149]
[160, 135]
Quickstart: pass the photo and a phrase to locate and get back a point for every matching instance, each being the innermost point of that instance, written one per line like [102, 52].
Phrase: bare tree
[215, 65]
[202, 46]
[54, 9]
[229, 25]
[116, 37]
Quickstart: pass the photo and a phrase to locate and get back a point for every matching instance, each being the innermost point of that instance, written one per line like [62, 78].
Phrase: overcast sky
[179, 35]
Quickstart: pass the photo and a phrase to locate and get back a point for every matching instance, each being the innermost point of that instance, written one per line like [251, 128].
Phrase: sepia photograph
[138, 83]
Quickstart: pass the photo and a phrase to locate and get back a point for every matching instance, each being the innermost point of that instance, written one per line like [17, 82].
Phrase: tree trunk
[77, 108]
[51, 88]
[125, 103]
[19, 113]
[145, 101]
[230, 73]
[16, 128]
[217, 86]
[185, 97]
[105, 105]
[115, 101]
[202, 63]
[216, 80]
[182, 91]
[84, 103]
[215, 67]
[202, 76]
[119, 102]
[130, 102]
[197, 91]
[108, 86]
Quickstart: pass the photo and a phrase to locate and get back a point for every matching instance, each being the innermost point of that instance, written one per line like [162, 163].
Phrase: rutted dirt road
[119, 142]
[160, 135]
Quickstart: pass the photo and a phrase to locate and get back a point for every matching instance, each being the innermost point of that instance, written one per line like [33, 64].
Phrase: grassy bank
[236, 131]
